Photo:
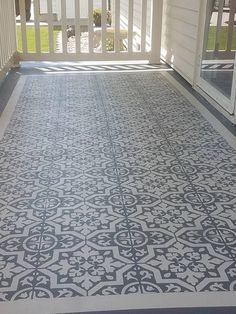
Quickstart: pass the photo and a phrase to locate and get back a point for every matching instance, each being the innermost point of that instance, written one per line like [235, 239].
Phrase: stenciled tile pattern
[113, 184]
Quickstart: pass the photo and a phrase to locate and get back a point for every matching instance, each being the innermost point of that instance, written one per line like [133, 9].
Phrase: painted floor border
[10, 107]
[217, 125]
[126, 302]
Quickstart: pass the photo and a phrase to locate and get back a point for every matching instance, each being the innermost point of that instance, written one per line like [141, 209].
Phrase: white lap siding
[70, 7]
[180, 35]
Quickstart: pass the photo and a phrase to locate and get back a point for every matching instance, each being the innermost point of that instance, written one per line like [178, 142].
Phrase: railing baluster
[77, 25]
[231, 27]
[10, 39]
[90, 25]
[144, 25]
[156, 28]
[11, 27]
[64, 26]
[3, 52]
[37, 26]
[219, 25]
[23, 26]
[12, 17]
[7, 36]
[4, 30]
[1, 39]
[130, 26]
[66, 15]
[117, 26]
[50, 26]
[104, 25]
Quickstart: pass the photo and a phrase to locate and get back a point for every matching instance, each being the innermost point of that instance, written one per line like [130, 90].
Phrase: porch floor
[113, 185]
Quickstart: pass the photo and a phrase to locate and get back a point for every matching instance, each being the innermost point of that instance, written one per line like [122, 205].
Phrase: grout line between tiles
[168, 141]
[118, 180]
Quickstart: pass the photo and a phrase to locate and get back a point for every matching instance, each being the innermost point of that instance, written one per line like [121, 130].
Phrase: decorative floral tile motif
[105, 189]
[74, 276]
[182, 268]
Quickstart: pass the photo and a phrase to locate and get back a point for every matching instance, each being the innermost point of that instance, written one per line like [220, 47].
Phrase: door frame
[224, 102]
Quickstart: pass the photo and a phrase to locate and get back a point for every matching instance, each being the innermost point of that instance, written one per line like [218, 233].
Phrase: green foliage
[44, 39]
[223, 38]
[97, 17]
[111, 47]
[110, 44]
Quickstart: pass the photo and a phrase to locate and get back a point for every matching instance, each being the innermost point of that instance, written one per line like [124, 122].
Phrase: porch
[117, 191]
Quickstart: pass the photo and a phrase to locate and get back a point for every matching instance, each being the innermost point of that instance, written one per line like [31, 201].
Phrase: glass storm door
[218, 65]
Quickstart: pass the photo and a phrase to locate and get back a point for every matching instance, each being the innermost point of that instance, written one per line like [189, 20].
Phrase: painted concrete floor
[113, 185]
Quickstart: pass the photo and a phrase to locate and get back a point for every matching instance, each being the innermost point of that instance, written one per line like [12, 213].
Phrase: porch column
[156, 29]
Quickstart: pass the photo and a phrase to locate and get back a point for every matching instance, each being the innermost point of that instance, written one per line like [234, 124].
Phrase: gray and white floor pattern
[113, 184]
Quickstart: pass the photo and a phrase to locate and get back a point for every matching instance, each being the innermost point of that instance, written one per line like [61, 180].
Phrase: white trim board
[12, 62]
[229, 61]
[99, 71]
[5, 117]
[215, 104]
[121, 302]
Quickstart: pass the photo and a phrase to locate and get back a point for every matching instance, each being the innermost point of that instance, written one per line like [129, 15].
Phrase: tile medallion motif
[113, 184]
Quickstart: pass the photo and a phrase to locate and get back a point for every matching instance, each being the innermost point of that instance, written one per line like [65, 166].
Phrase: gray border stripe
[213, 310]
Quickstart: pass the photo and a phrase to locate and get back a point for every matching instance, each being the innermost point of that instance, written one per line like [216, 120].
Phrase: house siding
[70, 6]
[180, 35]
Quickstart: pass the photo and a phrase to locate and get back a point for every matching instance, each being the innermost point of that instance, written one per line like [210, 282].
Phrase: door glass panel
[220, 45]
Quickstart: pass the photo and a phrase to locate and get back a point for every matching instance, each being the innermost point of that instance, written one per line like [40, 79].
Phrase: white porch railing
[7, 34]
[88, 43]
[225, 15]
